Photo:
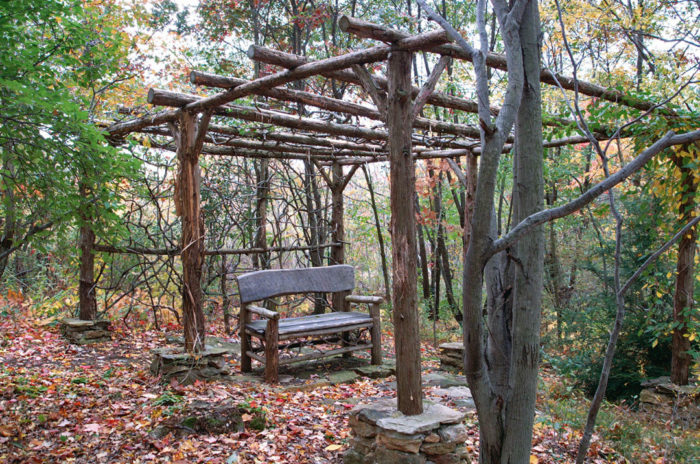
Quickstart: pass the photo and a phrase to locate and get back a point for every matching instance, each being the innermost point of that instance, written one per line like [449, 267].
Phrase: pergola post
[86, 285]
[403, 238]
[338, 229]
[190, 136]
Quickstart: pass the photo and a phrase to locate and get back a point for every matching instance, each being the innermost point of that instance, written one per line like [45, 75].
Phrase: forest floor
[100, 404]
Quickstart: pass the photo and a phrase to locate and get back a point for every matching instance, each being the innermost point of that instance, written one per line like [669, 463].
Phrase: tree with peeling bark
[502, 353]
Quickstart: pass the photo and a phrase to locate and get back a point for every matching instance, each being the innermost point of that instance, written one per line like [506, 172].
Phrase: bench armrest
[360, 299]
[264, 312]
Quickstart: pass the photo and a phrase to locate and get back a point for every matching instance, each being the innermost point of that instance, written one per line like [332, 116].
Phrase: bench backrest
[259, 285]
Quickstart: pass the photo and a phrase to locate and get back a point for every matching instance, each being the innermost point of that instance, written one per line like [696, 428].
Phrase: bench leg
[272, 355]
[245, 341]
[376, 335]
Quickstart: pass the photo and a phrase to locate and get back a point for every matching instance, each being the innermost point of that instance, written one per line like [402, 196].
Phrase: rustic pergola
[407, 136]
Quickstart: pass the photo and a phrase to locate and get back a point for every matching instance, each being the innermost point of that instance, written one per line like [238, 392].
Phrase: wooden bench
[270, 329]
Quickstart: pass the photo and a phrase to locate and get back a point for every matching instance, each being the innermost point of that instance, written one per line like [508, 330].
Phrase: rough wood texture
[86, 289]
[264, 312]
[403, 226]
[259, 285]
[378, 32]
[272, 356]
[364, 299]
[300, 325]
[376, 334]
[187, 201]
[245, 317]
[168, 98]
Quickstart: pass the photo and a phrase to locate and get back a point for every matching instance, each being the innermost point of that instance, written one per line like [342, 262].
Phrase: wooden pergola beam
[369, 55]
[369, 30]
[327, 103]
[168, 98]
[443, 100]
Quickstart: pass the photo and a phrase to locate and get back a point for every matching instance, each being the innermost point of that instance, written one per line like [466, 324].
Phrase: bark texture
[683, 295]
[188, 198]
[403, 233]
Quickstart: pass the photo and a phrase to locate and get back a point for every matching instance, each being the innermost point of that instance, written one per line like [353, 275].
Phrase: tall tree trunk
[529, 251]
[685, 277]
[225, 299]
[380, 235]
[7, 241]
[86, 285]
[262, 193]
[425, 276]
[188, 199]
[338, 230]
[403, 234]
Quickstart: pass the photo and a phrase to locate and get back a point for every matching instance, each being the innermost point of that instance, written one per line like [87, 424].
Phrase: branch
[458, 171]
[429, 85]
[33, 231]
[534, 220]
[658, 253]
[368, 83]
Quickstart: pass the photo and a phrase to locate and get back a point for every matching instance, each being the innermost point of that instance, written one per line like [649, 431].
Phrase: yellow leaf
[333, 447]
[692, 337]
[668, 275]
[146, 142]
[658, 294]
[533, 459]
[656, 342]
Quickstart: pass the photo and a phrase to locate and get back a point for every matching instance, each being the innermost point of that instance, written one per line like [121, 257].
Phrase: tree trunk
[262, 193]
[192, 242]
[403, 235]
[7, 242]
[338, 230]
[225, 300]
[425, 276]
[86, 286]
[529, 251]
[380, 235]
[685, 277]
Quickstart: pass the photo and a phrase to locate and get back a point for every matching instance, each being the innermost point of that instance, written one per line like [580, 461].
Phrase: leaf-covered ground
[100, 404]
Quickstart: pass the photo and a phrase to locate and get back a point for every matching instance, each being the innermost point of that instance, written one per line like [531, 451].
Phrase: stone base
[661, 397]
[451, 356]
[175, 363]
[85, 332]
[382, 435]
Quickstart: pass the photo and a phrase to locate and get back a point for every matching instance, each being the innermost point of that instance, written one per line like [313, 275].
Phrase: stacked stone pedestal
[175, 363]
[451, 356]
[382, 435]
[84, 332]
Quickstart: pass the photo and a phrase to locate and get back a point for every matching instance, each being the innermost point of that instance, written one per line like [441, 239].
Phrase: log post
[246, 364]
[272, 351]
[403, 237]
[376, 334]
[262, 193]
[338, 230]
[190, 136]
[86, 286]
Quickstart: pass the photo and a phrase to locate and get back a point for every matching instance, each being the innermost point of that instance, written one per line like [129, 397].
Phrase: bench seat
[320, 330]
[299, 326]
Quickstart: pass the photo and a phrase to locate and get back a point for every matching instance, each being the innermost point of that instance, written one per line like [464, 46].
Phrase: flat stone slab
[342, 377]
[451, 346]
[453, 392]
[379, 409]
[376, 372]
[75, 322]
[433, 416]
[444, 380]
[178, 354]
